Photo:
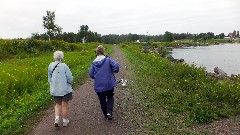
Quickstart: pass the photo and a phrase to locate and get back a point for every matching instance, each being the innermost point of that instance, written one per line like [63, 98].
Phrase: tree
[168, 37]
[36, 36]
[202, 35]
[85, 35]
[82, 33]
[220, 36]
[135, 37]
[111, 39]
[69, 37]
[49, 24]
[210, 35]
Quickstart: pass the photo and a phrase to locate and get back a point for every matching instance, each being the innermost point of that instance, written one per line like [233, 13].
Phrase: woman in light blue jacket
[60, 79]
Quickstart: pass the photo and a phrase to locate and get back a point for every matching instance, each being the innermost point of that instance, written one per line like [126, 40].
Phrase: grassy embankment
[175, 96]
[23, 80]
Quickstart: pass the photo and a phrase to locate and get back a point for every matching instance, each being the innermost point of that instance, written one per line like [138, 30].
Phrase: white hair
[58, 55]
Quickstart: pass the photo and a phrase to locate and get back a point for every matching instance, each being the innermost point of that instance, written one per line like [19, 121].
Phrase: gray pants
[106, 101]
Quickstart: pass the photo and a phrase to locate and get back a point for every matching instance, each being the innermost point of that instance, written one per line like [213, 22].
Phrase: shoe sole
[65, 125]
[56, 125]
[109, 118]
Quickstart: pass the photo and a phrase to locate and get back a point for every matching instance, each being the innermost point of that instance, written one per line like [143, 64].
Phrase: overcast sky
[20, 18]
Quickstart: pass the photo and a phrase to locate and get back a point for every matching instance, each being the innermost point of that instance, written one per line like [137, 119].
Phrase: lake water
[226, 57]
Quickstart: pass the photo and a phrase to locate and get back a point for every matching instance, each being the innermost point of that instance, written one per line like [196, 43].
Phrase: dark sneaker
[109, 116]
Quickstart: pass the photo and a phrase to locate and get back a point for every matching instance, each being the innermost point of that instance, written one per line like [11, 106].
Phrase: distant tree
[82, 33]
[85, 35]
[36, 36]
[210, 35]
[168, 37]
[111, 39]
[176, 36]
[90, 36]
[157, 38]
[72, 37]
[135, 37]
[69, 37]
[182, 36]
[49, 24]
[201, 35]
[98, 37]
[221, 36]
[190, 36]
[58, 32]
[44, 37]
[93, 37]
[39, 36]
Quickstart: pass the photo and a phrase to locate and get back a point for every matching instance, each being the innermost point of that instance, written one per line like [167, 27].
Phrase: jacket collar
[99, 58]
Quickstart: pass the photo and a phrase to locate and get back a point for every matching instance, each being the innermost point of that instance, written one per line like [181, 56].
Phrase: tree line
[85, 35]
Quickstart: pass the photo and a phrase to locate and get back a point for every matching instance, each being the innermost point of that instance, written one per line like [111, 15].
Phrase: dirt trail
[85, 114]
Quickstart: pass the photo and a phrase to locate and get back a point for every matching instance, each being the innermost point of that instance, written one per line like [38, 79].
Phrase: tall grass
[180, 91]
[31, 48]
[24, 86]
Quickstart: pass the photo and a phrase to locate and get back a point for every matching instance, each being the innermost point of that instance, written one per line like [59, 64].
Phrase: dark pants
[106, 100]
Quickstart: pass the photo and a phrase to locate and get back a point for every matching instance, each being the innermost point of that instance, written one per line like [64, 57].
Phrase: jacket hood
[99, 61]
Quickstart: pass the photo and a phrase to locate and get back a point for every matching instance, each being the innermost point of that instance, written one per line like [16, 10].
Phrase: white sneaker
[65, 123]
[56, 123]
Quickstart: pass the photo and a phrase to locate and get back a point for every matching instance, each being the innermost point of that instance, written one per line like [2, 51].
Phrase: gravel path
[85, 114]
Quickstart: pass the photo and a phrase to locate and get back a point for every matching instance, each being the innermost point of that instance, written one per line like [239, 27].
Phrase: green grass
[175, 96]
[25, 90]
[24, 87]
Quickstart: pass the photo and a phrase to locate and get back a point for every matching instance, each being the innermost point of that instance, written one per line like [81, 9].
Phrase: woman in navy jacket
[102, 71]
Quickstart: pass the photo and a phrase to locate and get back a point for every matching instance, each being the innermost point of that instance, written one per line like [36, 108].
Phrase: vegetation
[23, 82]
[70, 37]
[49, 24]
[167, 37]
[178, 94]
[29, 48]
[85, 35]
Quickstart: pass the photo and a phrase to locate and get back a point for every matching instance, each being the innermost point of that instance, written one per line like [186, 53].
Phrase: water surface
[226, 57]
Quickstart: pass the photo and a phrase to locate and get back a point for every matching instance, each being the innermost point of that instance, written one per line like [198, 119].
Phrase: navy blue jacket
[102, 71]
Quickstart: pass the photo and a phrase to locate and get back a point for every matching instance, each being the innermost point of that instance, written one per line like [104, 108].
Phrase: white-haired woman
[60, 79]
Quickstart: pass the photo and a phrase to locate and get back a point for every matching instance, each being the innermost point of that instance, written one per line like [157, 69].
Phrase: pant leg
[103, 103]
[110, 101]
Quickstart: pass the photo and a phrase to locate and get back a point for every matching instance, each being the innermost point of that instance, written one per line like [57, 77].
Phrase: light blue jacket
[102, 71]
[60, 79]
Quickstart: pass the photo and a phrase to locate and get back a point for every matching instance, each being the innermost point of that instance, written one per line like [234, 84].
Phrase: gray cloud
[21, 18]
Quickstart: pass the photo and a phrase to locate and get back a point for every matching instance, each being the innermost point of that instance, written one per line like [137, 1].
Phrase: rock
[220, 72]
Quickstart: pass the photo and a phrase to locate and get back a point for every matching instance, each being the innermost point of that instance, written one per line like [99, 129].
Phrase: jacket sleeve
[91, 72]
[69, 75]
[114, 66]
